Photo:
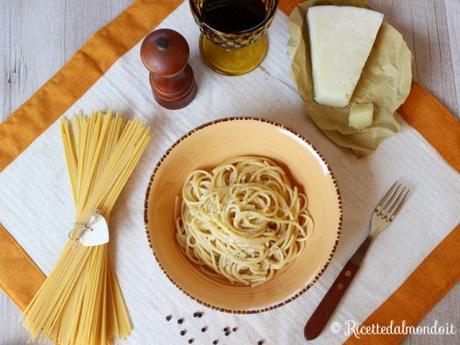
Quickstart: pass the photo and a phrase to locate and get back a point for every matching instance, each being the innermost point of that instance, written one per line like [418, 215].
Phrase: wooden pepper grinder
[165, 54]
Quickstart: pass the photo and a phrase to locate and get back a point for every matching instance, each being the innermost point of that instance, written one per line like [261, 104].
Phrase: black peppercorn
[204, 329]
[190, 340]
[180, 321]
[227, 334]
[234, 329]
[227, 329]
[183, 332]
[168, 318]
[197, 314]
[260, 342]
[215, 342]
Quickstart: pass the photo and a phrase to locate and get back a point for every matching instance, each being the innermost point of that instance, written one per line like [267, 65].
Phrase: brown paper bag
[385, 81]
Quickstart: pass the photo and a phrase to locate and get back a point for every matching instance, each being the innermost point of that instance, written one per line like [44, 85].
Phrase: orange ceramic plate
[209, 145]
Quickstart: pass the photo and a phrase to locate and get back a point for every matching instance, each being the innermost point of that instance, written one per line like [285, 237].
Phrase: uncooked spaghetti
[80, 303]
[244, 220]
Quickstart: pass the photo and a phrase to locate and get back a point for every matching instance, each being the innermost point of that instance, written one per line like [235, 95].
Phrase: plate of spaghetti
[243, 214]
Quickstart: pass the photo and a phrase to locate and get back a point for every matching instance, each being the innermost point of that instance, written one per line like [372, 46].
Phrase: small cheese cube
[360, 115]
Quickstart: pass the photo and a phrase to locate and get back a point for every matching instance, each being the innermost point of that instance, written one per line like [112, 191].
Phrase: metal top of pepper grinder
[165, 54]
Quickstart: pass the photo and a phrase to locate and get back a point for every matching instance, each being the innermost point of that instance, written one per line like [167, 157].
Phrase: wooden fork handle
[323, 312]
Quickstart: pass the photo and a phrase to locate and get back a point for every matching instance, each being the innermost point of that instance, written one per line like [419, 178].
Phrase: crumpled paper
[385, 81]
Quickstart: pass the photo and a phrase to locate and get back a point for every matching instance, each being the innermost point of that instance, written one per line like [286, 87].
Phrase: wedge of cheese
[341, 39]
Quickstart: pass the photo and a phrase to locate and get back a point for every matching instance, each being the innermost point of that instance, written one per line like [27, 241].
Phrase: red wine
[233, 16]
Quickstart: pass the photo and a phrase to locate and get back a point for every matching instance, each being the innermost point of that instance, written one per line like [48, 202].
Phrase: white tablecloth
[36, 205]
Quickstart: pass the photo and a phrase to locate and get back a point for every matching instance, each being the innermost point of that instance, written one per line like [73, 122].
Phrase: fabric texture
[19, 273]
[37, 210]
[442, 266]
[432, 120]
[21, 128]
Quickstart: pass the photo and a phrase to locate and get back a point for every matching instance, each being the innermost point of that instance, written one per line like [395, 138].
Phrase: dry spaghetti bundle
[80, 303]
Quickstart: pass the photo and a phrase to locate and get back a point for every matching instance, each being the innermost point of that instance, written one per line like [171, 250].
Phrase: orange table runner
[20, 277]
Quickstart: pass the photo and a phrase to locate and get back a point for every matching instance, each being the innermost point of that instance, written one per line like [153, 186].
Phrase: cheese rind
[361, 115]
[341, 39]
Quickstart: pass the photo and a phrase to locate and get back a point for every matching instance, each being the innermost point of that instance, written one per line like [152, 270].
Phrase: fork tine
[391, 200]
[380, 206]
[398, 207]
[395, 201]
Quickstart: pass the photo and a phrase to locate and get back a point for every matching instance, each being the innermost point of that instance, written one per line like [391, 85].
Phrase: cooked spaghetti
[244, 220]
[80, 303]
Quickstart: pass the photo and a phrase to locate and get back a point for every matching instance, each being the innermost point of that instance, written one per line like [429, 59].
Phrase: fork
[382, 216]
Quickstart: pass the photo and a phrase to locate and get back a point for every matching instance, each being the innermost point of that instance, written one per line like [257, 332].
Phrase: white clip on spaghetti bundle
[80, 303]
[94, 233]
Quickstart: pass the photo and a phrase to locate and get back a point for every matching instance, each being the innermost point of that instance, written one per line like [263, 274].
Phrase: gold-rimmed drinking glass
[233, 37]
